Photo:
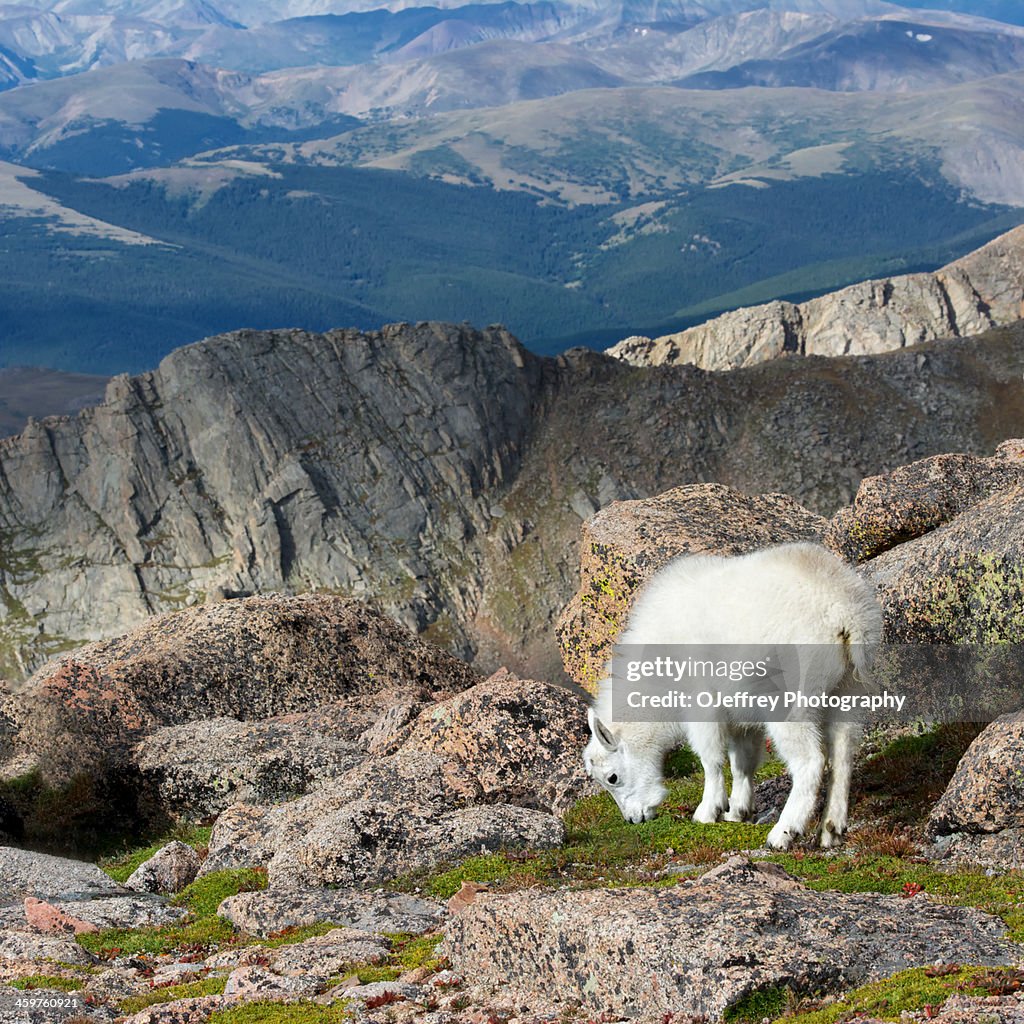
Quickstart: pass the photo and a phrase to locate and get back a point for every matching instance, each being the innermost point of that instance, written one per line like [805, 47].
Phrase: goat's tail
[861, 633]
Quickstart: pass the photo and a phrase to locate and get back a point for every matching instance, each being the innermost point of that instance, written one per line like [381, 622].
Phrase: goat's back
[790, 594]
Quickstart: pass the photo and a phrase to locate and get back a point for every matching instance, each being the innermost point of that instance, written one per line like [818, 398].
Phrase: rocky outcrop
[443, 471]
[918, 498]
[980, 817]
[704, 946]
[982, 290]
[243, 660]
[943, 543]
[625, 543]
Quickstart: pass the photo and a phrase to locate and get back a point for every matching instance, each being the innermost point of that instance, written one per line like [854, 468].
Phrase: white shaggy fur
[790, 594]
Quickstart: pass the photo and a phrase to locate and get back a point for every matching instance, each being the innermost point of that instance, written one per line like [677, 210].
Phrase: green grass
[54, 981]
[201, 929]
[186, 990]
[909, 990]
[758, 1005]
[121, 865]
[282, 1013]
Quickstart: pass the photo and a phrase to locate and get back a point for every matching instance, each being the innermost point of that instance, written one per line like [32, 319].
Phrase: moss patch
[760, 1004]
[201, 930]
[187, 990]
[909, 990]
[52, 981]
[282, 1013]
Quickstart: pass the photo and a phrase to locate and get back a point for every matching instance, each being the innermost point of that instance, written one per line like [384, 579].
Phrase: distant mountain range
[578, 170]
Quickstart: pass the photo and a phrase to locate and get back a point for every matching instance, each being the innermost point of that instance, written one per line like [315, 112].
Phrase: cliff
[439, 470]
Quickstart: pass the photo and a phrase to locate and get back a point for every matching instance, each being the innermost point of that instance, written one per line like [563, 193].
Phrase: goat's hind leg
[799, 745]
[746, 750]
[707, 740]
[842, 740]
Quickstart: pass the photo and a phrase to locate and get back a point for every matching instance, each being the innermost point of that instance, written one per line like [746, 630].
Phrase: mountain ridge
[975, 293]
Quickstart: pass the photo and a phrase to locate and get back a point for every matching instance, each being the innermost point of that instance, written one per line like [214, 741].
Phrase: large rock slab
[980, 817]
[703, 947]
[625, 543]
[247, 660]
[369, 841]
[377, 912]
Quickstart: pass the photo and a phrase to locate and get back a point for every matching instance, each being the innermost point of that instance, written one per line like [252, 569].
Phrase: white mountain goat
[793, 594]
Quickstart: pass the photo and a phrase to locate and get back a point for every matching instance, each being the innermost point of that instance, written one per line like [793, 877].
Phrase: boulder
[918, 498]
[483, 769]
[170, 869]
[64, 891]
[519, 739]
[705, 946]
[980, 817]
[246, 659]
[626, 542]
[369, 841]
[366, 911]
[961, 583]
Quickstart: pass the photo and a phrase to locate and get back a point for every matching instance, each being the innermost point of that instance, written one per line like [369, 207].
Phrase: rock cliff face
[439, 470]
[982, 290]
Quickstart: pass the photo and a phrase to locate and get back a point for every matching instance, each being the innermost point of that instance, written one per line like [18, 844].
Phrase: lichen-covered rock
[73, 889]
[373, 841]
[252, 983]
[703, 947]
[519, 739]
[249, 659]
[625, 543]
[16, 945]
[194, 1010]
[980, 817]
[916, 499]
[961, 583]
[27, 873]
[366, 911]
[478, 770]
[202, 768]
[169, 870]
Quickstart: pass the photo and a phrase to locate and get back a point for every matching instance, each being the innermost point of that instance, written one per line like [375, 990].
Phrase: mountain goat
[793, 594]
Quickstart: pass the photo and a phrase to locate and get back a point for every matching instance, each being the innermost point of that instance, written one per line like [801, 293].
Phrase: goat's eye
[613, 779]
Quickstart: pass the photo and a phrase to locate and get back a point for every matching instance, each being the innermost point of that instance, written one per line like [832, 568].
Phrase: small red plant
[384, 999]
[911, 889]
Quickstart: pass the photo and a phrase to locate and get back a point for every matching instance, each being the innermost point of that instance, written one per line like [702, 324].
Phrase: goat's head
[632, 778]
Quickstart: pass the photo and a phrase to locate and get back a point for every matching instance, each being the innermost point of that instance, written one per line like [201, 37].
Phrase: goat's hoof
[706, 815]
[737, 816]
[831, 836]
[779, 839]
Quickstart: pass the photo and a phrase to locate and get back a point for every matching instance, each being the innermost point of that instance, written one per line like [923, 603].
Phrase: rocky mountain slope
[396, 838]
[439, 470]
[982, 290]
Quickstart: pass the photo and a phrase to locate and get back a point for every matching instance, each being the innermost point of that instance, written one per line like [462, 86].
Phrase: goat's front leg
[708, 742]
[798, 744]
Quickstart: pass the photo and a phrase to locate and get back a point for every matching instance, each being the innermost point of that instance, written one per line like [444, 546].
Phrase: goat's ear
[601, 732]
